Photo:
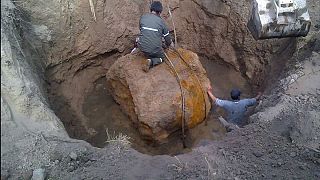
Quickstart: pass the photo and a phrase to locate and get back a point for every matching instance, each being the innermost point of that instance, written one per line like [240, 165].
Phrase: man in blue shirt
[236, 109]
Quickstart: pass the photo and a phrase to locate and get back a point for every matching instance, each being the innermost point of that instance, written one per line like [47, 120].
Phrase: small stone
[280, 162]
[257, 153]
[38, 174]
[56, 162]
[303, 167]
[238, 172]
[70, 168]
[73, 156]
[293, 154]
[56, 156]
[88, 163]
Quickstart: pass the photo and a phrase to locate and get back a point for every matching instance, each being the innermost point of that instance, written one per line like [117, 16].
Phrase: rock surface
[153, 100]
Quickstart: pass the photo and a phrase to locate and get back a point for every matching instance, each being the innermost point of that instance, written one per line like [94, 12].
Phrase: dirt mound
[153, 100]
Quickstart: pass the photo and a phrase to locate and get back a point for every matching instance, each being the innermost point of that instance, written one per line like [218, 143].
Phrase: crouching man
[236, 109]
[152, 31]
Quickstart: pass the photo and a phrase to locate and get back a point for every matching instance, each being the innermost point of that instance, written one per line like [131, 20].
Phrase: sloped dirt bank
[281, 143]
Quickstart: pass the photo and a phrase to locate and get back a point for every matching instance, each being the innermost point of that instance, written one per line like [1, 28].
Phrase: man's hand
[209, 88]
[209, 91]
[258, 96]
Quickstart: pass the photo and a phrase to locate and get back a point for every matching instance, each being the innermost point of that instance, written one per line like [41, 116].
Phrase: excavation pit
[75, 51]
[100, 116]
[82, 50]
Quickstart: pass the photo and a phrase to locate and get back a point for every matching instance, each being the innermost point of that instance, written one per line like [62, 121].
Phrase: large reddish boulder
[153, 100]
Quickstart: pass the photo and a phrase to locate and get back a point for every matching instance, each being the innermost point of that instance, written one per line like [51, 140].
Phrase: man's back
[152, 29]
[236, 109]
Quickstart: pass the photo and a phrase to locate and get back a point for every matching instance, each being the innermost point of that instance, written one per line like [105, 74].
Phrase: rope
[174, 27]
[182, 100]
[203, 93]
[176, 42]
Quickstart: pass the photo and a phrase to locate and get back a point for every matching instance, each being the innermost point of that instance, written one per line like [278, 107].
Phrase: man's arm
[209, 91]
[253, 101]
[166, 34]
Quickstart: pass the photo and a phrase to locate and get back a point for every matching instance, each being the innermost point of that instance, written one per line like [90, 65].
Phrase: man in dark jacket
[152, 30]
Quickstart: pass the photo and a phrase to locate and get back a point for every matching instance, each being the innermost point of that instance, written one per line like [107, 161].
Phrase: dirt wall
[25, 113]
[216, 29]
[22, 94]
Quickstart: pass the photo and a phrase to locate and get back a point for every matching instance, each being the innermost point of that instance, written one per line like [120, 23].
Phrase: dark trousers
[155, 58]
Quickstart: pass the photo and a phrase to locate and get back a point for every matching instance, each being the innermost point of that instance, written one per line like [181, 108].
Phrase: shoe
[147, 65]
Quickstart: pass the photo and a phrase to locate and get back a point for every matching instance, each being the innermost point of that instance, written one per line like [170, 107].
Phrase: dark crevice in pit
[278, 62]
[68, 117]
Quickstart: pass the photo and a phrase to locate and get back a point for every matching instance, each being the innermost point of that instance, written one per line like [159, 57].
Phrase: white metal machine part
[279, 18]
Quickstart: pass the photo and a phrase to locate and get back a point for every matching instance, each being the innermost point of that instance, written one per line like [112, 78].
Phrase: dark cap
[235, 94]
[156, 6]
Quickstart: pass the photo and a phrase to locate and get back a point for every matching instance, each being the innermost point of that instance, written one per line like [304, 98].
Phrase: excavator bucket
[279, 19]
